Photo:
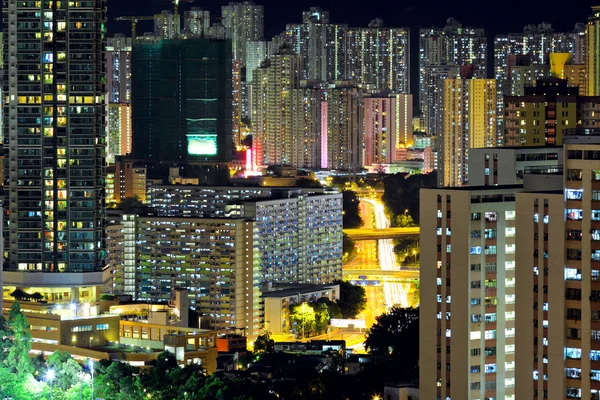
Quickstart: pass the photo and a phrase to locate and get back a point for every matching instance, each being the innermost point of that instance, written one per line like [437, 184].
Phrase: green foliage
[264, 344]
[353, 299]
[404, 221]
[303, 317]
[401, 192]
[18, 355]
[352, 217]
[107, 297]
[333, 308]
[406, 248]
[348, 247]
[66, 370]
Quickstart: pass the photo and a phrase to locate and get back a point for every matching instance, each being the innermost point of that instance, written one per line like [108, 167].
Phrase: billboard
[202, 145]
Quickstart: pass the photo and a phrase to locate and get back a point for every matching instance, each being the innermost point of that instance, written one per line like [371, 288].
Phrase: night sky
[495, 17]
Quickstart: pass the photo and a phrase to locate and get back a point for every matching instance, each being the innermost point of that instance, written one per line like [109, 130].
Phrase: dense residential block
[55, 134]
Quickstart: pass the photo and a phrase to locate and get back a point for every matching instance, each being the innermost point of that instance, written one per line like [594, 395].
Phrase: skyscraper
[118, 69]
[244, 22]
[469, 121]
[164, 25]
[452, 45]
[196, 22]
[319, 43]
[181, 102]
[592, 53]
[378, 55]
[118, 87]
[271, 107]
[54, 191]
[467, 312]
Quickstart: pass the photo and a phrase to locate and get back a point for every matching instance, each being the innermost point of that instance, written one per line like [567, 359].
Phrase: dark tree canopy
[353, 299]
[401, 193]
[352, 217]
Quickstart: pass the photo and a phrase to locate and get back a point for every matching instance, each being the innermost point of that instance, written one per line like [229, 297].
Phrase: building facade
[452, 45]
[193, 123]
[592, 55]
[244, 22]
[378, 56]
[469, 121]
[467, 312]
[546, 111]
[55, 131]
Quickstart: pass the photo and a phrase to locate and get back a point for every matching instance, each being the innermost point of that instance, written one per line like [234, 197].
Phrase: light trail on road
[394, 293]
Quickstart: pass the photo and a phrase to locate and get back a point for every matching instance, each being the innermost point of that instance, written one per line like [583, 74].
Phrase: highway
[376, 234]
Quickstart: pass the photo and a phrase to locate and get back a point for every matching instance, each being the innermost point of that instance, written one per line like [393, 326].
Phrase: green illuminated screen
[202, 145]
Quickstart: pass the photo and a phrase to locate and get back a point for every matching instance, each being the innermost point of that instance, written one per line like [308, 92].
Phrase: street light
[50, 378]
[376, 397]
[415, 254]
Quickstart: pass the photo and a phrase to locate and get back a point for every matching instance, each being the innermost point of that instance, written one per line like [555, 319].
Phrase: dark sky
[495, 16]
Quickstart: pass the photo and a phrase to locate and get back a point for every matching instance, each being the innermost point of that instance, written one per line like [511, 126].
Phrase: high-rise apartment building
[165, 25]
[452, 45]
[55, 133]
[535, 43]
[541, 116]
[118, 69]
[256, 53]
[319, 43]
[244, 22]
[342, 128]
[387, 124]
[271, 106]
[196, 23]
[192, 123]
[548, 298]
[467, 313]
[379, 130]
[379, 56]
[214, 259]
[432, 98]
[125, 179]
[469, 121]
[592, 55]
[119, 141]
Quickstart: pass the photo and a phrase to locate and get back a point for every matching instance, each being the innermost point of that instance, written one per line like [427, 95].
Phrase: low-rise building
[278, 301]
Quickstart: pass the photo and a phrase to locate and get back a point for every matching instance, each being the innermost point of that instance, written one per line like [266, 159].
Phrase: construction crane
[134, 20]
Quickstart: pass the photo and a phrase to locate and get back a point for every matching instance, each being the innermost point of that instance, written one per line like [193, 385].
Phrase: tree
[321, 317]
[37, 297]
[5, 340]
[118, 381]
[303, 317]
[401, 193]
[18, 355]
[131, 204]
[264, 344]
[19, 294]
[333, 308]
[308, 183]
[404, 221]
[348, 247]
[350, 205]
[353, 299]
[66, 370]
[396, 334]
